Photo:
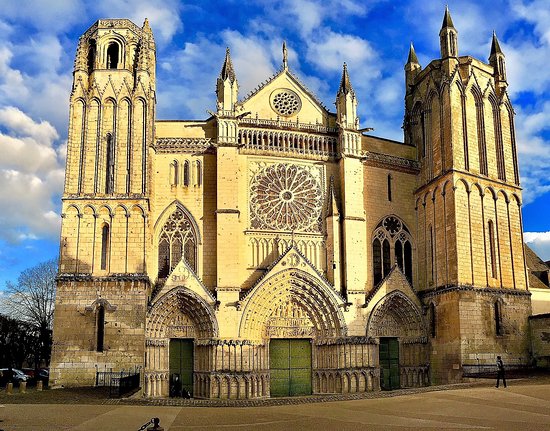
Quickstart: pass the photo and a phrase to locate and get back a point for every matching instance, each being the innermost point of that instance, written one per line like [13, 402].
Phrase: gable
[283, 97]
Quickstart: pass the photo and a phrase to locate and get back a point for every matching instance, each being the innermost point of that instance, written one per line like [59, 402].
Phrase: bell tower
[112, 110]
[468, 204]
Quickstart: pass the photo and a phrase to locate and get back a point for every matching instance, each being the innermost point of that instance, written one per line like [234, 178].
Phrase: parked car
[17, 376]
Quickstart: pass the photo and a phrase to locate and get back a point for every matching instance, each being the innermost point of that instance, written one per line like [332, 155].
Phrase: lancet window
[391, 245]
[112, 56]
[100, 330]
[178, 240]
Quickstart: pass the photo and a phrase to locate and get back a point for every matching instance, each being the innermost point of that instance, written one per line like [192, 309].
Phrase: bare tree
[31, 300]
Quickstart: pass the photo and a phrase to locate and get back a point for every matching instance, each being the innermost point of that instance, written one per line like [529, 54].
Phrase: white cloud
[539, 242]
[31, 173]
[53, 16]
[534, 150]
[163, 15]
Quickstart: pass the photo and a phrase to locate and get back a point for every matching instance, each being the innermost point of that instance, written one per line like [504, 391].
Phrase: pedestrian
[500, 372]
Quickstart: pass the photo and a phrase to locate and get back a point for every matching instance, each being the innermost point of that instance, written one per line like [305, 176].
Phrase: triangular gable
[183, 275]
[394, 281]
[293, 258]
[259, 102]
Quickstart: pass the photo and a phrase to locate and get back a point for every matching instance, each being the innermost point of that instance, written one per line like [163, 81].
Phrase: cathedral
[277, 248]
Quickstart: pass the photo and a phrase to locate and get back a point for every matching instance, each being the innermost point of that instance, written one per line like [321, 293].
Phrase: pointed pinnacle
[227, 71]
[495, 46]
[412, 55]
[345, 83]
[447, 20]
[146, 27]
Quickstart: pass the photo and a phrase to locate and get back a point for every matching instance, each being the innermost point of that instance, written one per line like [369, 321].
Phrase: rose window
[286, 103]
[285, 197]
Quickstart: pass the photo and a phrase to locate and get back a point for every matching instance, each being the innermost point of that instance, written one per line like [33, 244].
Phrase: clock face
[392, 225]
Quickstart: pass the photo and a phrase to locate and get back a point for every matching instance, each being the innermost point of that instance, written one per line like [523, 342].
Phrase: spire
[285, 56]
[146, 31]
[146, 27]
[227, 71]
[448, 38]
[345, 84]
[495, 46]
[447, 20]
[413, 59]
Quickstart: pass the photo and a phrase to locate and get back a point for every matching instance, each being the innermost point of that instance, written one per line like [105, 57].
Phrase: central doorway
[389, 363]
[290, 367]
[181, 367]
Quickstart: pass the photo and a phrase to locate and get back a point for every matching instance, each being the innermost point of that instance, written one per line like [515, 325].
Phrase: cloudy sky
[38, 43]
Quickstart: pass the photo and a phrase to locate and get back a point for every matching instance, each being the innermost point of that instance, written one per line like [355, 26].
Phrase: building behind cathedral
[276, 248]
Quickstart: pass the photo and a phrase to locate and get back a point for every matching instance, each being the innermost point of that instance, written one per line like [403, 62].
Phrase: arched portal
[291, 310]
[174, 323]
[292, 294]
[398, 324]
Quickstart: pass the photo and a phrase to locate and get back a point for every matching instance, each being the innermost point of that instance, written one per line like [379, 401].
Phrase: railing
[259, 122]
[278, 141]
[119, 382]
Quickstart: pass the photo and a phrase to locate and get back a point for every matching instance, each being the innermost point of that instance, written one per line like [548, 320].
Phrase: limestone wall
[75, 355]
[540, 339]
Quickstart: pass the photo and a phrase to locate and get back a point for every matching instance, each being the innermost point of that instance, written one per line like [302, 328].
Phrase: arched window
[386, 257]
[502, 68]
[112, 56]
[431, 252]
[423, 126]
[408, 261]
[482, 148]
[498, 317]
[91, 55]
[174, 173]
[389, 187]
[433, 320]
[492, 254]
[391, 245]
[110, 165]
[186, 173]
[100, 331]
[178, 239]
[453, 44]
[199, 173]
[377, 261]
[104, 246]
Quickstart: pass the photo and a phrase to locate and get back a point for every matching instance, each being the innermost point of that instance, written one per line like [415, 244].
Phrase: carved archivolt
[181, 313]
[292, 304]
[395, 315]
[285, 197]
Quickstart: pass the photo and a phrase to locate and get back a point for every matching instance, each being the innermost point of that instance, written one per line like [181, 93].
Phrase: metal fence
[119, 382]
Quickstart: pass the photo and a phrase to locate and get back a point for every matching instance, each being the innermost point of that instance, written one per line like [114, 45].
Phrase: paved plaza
[524, 405]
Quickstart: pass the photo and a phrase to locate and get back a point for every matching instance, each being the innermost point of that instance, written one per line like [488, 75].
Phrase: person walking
[500, 372]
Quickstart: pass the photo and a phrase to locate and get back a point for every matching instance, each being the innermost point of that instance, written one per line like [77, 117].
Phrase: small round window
[286, 102]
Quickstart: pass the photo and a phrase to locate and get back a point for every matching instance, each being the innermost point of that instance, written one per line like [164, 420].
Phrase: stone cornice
[95, 278]
[387, 161]
[182, 145]
[469, 288]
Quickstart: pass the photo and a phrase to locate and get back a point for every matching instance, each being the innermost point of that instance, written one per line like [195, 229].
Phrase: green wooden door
[290, 366]
[181, 364]
[389, 363]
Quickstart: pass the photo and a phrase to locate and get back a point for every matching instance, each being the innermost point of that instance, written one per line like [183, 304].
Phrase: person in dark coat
[500, 372]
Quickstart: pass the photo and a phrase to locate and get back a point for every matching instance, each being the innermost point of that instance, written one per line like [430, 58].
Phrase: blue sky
[38, 43]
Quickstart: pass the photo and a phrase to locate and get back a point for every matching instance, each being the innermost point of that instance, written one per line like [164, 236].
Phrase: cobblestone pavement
[521, 406]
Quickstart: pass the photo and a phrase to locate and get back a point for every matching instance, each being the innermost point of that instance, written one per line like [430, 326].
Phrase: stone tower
[468, 202]
[104, 229]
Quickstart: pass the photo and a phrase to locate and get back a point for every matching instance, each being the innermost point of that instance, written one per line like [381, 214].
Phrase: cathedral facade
[276, 248]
